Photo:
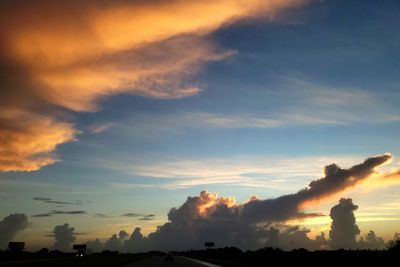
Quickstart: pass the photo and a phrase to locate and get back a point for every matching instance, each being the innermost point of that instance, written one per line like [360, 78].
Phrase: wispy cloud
[248, 171]
[93, 50]
[140, 216]
[52, 201]
[60, 212]
[302, 103]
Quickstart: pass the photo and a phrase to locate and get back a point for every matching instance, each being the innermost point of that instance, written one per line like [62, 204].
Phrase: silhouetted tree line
[229, 256]
[234, 257]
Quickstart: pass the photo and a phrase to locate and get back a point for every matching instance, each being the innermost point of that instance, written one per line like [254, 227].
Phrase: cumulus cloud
[69, 55]
[344, 229]
[371, 241]
[257, 223]
[64, 236]
[288, 206]
[289, 238]
[95, 245]
[10, 226]
[116, 242]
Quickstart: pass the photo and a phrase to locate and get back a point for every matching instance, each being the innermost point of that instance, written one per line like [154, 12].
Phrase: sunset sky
[114, 112]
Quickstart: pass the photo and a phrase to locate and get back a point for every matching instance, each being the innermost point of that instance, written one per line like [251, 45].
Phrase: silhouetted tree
[394, 245]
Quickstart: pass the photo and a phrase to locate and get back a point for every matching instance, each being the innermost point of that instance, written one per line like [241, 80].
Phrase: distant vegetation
[229, 257]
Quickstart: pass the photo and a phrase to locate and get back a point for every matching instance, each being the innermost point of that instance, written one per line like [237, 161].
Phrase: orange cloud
[72, 54]
[28, 146]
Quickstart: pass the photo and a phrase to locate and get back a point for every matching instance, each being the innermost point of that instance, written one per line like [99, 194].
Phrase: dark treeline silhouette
[228, 256]
[234, 257]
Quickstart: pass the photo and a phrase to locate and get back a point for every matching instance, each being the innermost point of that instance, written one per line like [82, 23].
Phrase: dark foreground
[127, 260]
[229, 257]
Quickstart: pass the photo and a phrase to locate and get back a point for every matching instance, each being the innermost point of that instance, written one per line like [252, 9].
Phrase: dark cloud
[371, 241]
[52, 201]
[64, 236]
[148, 217]
[288, 206]
[72, 212]
[289, 238]
[344, 229]
[116, 242]
[10, 226]
[252, 225]
[60, 212]
[144, 217]
[95, 245]
[131, 214]
[42, 215]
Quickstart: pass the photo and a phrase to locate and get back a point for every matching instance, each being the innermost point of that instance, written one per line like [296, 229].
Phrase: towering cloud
[68, 55]
[116, 242]
[344, 229]
[64, 236]
[288, 206]
[208, 217]
[10, 226]
[371, 241]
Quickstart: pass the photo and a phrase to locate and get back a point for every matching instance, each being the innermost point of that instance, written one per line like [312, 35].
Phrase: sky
[114, 113]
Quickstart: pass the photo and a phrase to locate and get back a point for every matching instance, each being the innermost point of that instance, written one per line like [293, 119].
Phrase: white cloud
[281, 174]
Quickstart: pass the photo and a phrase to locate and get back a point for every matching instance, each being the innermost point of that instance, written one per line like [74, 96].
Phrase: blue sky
[316, 85]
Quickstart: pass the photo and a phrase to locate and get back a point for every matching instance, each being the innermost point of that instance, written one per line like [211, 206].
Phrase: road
[149, 261]
[178, 261]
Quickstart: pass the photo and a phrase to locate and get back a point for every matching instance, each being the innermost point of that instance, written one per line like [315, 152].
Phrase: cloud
[116, 242]
[95, 245]
[69, 55]
[371, 241]
[52, 201]
[10, 226]
[335, 180]
[243, 171]
[143, 217]
[64, 236]
[289, 238]
[149, 217]
[209, 217]
[344, 229]
[28, 140]
[60, 212]
[131, 214]
[100, 128]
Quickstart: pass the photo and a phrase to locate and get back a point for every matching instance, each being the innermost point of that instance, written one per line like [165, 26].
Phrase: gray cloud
[371, 241]
[64, 236]
[116, 242]
[60, 212]
[144, 217]
[52, 201]
[132, 214]
[344, 229]
[287, 207]
[10, 226]
[252, 225]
